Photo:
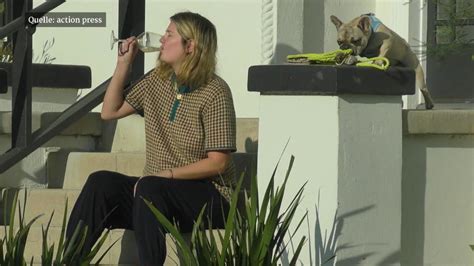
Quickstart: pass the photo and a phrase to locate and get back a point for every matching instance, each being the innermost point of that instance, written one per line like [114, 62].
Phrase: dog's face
[353, 35]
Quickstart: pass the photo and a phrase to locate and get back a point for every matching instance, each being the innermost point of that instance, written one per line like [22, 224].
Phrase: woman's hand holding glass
[147, 41]
[127, 50]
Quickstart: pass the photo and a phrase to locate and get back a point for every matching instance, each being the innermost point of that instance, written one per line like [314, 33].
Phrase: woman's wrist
[123, 66]
[171, 172]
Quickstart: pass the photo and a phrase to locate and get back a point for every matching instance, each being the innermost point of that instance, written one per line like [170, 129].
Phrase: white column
[348, 148]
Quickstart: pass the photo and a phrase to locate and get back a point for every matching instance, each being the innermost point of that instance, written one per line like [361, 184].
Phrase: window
[450, 51]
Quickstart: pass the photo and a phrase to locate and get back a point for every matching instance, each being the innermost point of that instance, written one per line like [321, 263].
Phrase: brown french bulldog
[368, 37]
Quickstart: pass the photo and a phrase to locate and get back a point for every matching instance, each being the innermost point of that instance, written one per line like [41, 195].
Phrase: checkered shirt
[204, 121]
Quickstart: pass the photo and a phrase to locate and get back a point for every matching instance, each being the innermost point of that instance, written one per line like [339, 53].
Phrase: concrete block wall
[438, 187]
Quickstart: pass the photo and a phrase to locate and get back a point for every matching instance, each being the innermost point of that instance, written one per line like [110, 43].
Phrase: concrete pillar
[345, 130]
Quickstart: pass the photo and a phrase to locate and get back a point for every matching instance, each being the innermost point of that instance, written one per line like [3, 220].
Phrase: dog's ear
[337, 22]
[364, 24]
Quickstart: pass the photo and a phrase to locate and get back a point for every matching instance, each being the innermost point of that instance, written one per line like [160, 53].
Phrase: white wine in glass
[147, 41]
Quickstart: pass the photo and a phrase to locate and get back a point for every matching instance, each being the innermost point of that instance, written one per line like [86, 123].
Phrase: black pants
[107, 201]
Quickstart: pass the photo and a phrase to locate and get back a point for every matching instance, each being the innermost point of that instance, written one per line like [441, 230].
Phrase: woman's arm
[114, 106]
[215, 164]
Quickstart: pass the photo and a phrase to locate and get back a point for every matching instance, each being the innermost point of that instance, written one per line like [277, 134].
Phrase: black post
[21, 80]
[132, 23]
[2, 15]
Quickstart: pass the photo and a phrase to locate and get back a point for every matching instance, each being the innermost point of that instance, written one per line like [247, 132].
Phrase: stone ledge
[438, 122]
[55, 76]
[329, 80]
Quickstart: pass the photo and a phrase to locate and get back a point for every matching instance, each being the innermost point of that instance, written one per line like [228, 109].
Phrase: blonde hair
[199, 66]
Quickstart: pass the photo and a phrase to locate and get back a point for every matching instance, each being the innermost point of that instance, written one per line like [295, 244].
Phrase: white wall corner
[289, 32]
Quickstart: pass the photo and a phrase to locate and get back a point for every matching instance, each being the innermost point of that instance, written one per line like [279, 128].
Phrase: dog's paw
[350, 60]
[379, 62]
[340, 57]
[426, 106]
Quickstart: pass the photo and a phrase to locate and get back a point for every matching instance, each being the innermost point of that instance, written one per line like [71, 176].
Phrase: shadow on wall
[107, 139]
[413, 204]
[281, 52]
[324, 247]
[313, 32]
[251, 146]
[355, 260]
[314, 26]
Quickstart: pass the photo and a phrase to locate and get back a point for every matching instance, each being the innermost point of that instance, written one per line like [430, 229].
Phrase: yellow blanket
[338, 57]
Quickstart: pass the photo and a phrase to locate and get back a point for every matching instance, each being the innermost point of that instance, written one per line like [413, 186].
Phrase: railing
[24, 141]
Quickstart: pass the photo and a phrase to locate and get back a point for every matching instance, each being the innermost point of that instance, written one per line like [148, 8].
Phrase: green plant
[45, 57]
[254, 236]
[68, 251]
[6, 46]
[12, 246]
[454, 33]
[6, 52]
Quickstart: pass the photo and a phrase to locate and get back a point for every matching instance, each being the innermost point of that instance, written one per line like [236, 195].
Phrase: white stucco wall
[82, 46]
[310, 123]
[437, 206]
[237, 23]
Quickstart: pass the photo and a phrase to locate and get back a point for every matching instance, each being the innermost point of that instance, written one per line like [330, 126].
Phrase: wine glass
[147, 41]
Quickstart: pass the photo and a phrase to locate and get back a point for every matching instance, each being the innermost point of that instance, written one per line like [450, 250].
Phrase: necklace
[179, 96]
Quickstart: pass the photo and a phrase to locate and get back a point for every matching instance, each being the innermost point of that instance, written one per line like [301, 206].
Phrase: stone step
[120, 131]
[32, 171]
[51, 158]
[123, 252]
[45, 201]
[47, 161]
[81, 164]
[128, 135]
[43, 100]
[89, 125]
[438, 122]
